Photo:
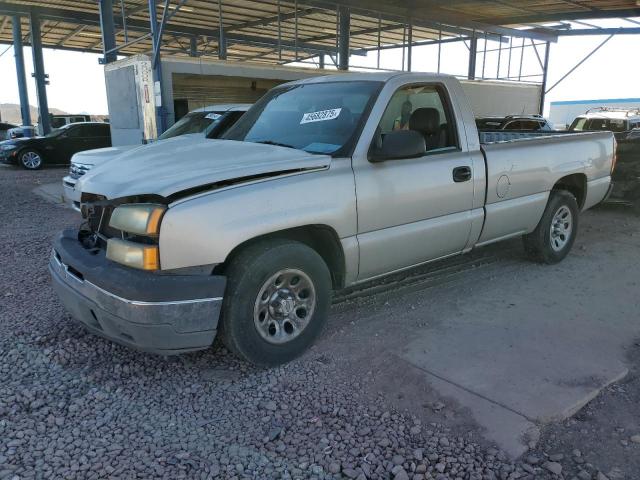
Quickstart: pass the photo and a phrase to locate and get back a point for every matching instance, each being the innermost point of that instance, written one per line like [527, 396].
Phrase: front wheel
[553, 238]
[276, 303]
[30, 159]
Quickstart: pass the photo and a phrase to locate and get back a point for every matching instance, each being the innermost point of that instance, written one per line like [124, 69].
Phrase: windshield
[317, 117]
[598, 124]
[194, 122]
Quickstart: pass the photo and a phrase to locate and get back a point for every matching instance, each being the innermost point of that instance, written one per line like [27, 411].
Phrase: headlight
[76, 170]
[8, 147]
[138, 218]
[135, 255]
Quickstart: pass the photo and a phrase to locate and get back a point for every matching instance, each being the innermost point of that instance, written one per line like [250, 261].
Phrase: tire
[30, 159]
[276, 302]
[553, 238]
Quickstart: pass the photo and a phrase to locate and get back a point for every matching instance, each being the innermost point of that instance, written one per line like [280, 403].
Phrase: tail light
[615, 154]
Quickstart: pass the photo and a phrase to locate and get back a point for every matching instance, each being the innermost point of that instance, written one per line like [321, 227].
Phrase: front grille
[79, 169]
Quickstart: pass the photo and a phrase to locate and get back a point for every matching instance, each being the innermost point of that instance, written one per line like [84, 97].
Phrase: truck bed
[523, 169]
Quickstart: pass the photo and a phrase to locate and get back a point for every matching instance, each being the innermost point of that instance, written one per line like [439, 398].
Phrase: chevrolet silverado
[324, 183]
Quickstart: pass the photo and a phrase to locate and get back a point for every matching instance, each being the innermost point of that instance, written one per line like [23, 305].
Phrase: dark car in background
[4, 130]
[57, 147]
[534, 123]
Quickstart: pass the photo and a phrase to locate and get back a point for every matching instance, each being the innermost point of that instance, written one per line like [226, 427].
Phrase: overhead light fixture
[182, 9]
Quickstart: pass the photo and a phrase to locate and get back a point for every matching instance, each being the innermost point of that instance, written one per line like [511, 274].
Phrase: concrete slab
[521, 352]
[51, 192]
[508, 429]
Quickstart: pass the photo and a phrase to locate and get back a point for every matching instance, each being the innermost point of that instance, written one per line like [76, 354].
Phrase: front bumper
[9, 156]
[159, 313]
[71, 195]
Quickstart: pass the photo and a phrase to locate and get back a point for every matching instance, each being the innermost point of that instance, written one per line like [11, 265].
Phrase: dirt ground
[353, 397]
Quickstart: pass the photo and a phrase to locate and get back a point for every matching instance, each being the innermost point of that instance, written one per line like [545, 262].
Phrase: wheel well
[576, 184]
[322, 238]
[26, 149]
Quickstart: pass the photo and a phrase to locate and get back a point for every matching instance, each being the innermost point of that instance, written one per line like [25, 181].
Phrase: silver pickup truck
[324, 183]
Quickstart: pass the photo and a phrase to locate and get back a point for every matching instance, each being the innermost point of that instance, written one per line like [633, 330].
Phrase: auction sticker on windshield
[321, 116]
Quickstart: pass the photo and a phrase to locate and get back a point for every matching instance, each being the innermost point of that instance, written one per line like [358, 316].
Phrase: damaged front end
[97, 212]
[108, 277]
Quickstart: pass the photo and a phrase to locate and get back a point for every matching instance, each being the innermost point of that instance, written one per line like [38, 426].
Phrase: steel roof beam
[71, 34]
[434, 15]
[302, 12]
[600, 31]
[417, 43]
[399, 17]
[143, 26]
[4, 24]
[557, 17]
[269, 42]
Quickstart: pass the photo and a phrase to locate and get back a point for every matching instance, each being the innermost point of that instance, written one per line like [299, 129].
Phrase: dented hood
[181, 163]
[100, 155]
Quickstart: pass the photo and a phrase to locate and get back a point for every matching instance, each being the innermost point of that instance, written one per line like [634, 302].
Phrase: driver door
[412, 210]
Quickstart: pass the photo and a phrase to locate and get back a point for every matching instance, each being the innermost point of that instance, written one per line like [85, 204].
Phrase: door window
[74, 132]
[425, 109]
[101, 130]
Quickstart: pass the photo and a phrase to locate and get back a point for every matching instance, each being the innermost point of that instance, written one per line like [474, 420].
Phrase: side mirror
[399, 144]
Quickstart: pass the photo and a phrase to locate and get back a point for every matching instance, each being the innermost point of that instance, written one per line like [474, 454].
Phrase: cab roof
[367, 76]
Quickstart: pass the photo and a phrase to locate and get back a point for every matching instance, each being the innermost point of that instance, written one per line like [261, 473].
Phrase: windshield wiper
[277, 144]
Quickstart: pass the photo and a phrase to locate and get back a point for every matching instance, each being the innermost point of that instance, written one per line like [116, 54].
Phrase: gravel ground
[75, 406]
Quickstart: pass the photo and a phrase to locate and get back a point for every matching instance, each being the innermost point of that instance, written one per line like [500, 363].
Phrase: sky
[77, 79]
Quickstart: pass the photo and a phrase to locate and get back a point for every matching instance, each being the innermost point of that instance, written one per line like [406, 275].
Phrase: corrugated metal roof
[270, 31]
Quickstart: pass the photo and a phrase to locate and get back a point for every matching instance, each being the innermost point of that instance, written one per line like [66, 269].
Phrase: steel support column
[39, 74]
[20, 72]
[343, 38]
[222, 39]
[473, 50]
[108, 31]
[193, 47]
[410, 43]
[156, 33]
[545, 69]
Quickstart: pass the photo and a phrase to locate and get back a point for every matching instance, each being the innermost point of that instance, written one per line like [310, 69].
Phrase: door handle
[461, 174]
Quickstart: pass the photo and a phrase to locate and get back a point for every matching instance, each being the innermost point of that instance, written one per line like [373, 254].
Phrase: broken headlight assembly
[140, 222]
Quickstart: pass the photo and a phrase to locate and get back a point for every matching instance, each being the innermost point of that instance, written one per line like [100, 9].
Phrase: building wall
[563, 113]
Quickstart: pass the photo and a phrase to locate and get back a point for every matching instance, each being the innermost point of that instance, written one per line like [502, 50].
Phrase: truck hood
[181, 164]
[100, 155]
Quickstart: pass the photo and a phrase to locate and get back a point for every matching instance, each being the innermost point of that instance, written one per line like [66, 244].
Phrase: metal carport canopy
[279, 32]
[282, 31]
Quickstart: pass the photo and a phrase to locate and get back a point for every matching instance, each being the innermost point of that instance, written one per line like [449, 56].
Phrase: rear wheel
[276, 303]
[30, 159]
[553, 238]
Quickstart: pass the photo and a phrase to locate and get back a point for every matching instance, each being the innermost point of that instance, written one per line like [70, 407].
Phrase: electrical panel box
[131, 98]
